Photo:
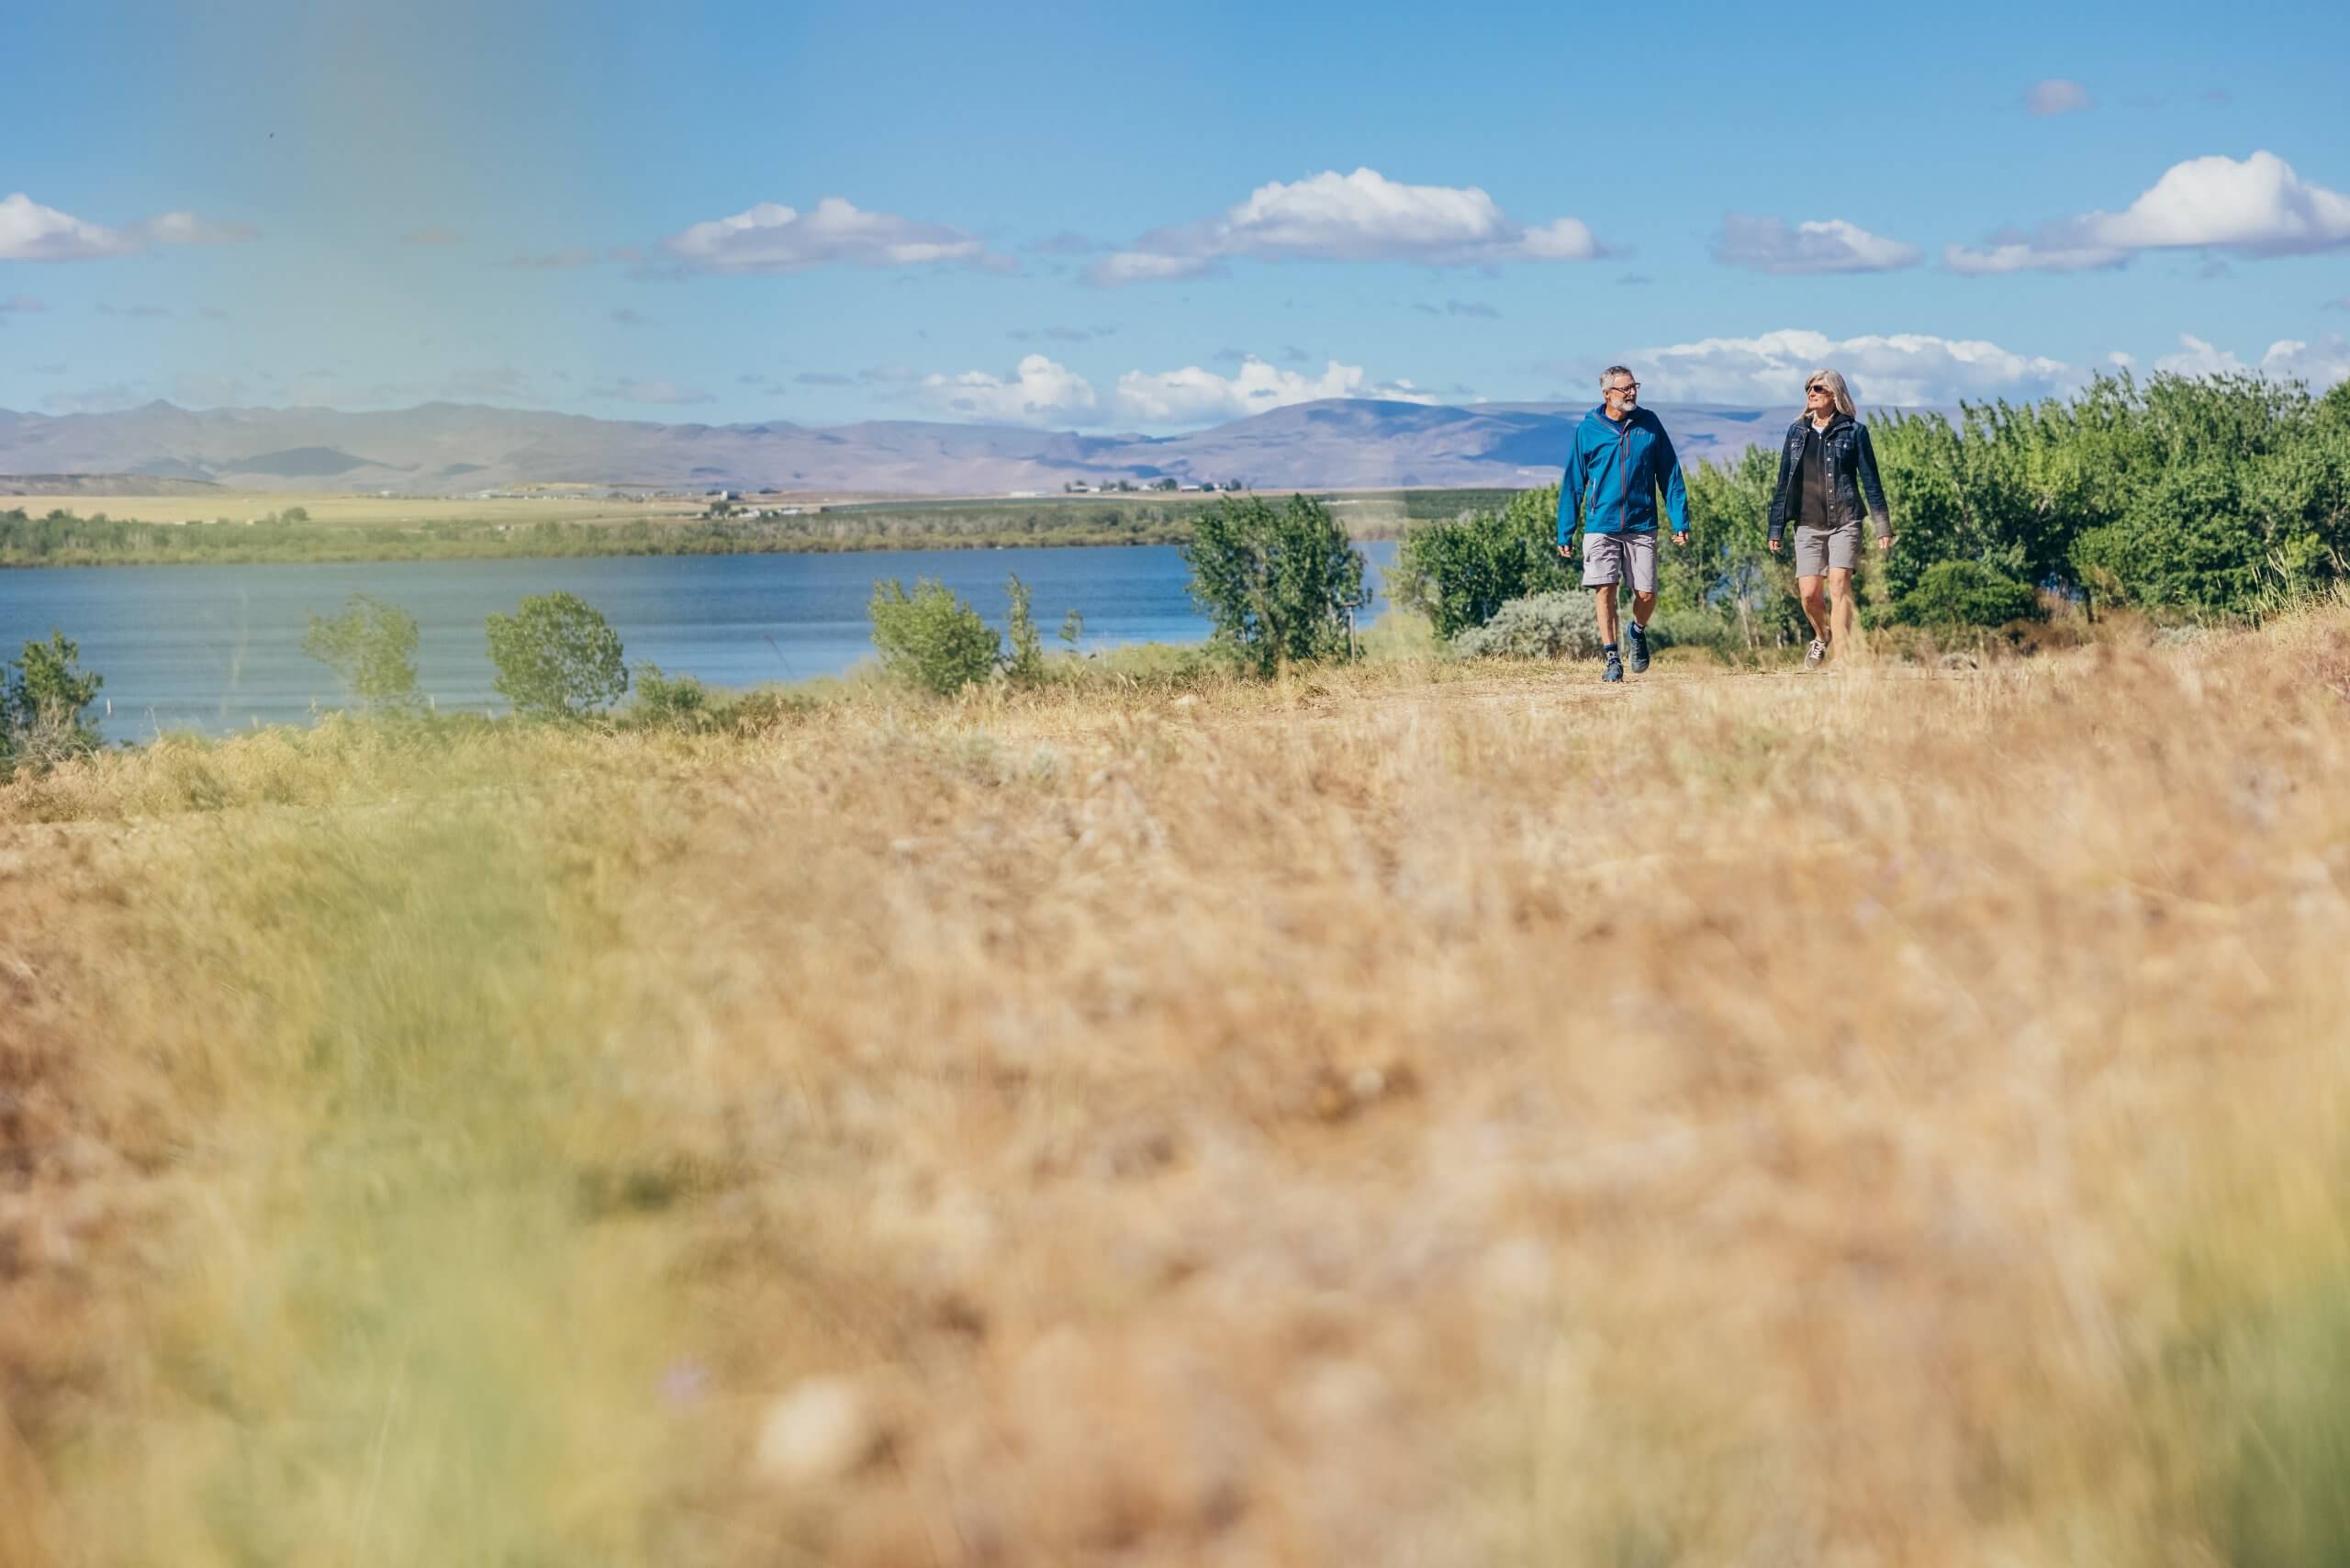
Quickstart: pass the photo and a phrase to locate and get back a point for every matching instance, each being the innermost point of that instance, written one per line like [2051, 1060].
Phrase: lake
[217, 648]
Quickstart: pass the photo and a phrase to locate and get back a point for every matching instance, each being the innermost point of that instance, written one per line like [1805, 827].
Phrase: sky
[1155, 218]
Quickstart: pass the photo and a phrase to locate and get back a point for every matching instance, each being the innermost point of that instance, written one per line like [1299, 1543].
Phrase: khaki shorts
[1818, 549]
[1611, 557]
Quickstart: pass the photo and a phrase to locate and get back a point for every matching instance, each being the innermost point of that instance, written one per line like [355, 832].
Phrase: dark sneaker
[1615, 670]
[1638, 636]
[1813, 654]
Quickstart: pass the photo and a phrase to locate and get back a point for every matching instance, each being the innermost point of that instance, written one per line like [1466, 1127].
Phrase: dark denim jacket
[1852, 469]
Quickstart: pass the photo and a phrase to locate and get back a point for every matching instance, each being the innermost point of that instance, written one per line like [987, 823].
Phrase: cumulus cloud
[2321, 364]
[2255, 206]
[1039, 391]
[2056, 95]
[1194, 395]
[1904, 368]
[31, 232]
[634, 390]
[1831, 245]
[769, 238]
[1359, 216]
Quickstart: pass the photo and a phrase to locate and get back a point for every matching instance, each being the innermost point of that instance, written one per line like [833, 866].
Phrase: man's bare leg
[1815, 604]
[1841, 614]
[1605, 597]
[1643, 604]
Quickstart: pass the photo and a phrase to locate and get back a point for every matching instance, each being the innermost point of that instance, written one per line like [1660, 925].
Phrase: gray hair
[1834, 382]
[1612, 372]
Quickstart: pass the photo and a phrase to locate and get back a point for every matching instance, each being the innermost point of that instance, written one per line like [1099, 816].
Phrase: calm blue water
[220, 648]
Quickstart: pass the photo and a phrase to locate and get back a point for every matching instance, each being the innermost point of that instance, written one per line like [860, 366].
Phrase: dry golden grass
[1412, 1115]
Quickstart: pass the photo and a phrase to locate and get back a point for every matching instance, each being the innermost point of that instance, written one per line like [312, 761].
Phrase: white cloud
[1772, 245]
[2256, 207]
[1040, 391]
[31, 232]
[2056, 95]
[187, 229]
[653, 391]
[1904, 368]
[769, 238]
[2322, 363]
[1359, 216]
[1193, 395]
[2055, 251]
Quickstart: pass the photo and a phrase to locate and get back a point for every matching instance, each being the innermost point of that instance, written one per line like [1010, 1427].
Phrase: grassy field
[1418, 1113]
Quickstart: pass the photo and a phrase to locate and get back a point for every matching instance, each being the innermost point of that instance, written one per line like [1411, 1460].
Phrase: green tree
[930, 637]
[44, 697]
[371, 647]
[1280, 584]
[556, 657]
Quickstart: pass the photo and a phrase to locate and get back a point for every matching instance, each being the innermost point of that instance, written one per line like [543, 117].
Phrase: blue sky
[1130, 218]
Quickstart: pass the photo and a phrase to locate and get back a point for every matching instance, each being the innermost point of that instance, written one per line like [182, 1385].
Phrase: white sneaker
[1813, 654]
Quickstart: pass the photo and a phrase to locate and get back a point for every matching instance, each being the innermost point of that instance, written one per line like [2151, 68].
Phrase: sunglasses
[1822, 390]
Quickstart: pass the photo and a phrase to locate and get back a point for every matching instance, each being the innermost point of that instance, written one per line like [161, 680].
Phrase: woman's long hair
[1834, 381]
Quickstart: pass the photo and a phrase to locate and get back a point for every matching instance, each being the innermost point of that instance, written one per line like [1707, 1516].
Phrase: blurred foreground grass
[1412, 1114]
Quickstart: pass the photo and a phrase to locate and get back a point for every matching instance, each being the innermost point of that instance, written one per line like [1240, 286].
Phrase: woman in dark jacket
[1826, 467]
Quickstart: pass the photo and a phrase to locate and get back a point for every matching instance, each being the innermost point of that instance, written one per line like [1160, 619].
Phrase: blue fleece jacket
[1613, 471]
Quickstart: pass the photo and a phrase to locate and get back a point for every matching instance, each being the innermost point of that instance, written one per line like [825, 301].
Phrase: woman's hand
[1775, 546]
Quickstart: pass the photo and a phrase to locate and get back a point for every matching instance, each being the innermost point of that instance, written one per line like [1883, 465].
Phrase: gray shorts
[1818, 549]
[1611, 557]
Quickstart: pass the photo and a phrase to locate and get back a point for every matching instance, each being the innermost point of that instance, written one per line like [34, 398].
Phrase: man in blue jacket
[1621, 458]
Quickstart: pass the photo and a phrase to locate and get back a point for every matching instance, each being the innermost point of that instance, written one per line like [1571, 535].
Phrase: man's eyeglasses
[1626, 386]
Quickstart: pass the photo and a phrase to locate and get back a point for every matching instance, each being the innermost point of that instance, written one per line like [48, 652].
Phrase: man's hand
[1680, 538]
[1775, 546]
[1568, 551]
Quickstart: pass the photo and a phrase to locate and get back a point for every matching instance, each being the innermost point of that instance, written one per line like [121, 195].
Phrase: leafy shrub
[371, 647]
[44, 693]
[1461, 571]
[1024, 663]
[1563, 624]
[1966, 593]
[556, 657]
[930, 637]
[663, 701]
[1280, 585]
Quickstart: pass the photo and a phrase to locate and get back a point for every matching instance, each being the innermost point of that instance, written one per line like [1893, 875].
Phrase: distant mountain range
[455, 448]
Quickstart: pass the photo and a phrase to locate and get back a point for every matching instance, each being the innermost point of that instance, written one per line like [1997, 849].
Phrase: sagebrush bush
[1559, 625]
